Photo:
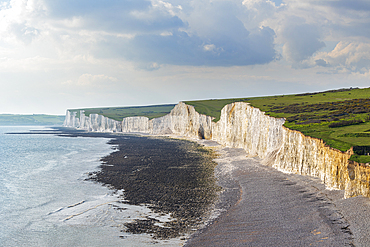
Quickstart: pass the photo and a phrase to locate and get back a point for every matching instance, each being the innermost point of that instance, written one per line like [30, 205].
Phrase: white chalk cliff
[243, 126]
[94, 122]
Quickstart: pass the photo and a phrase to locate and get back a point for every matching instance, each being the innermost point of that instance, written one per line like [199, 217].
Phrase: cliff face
[183, 120]
[243, 126]
[135, 124]
[94, 122]
[309, 156]
[71, 120]
[290, 151]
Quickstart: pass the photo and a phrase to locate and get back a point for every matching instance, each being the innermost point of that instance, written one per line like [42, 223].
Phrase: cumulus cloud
[257, 11]
[124, 47]
[346, 20]
[306, 30]
[115, 16]
[196, 33]
[214, 36]
[184, 49]
[351, 56]
[151, 34]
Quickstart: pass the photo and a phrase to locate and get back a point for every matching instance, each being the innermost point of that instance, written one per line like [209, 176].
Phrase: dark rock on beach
[170, 176]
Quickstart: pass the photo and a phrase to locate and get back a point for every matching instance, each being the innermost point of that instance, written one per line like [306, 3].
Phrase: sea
[45, 199]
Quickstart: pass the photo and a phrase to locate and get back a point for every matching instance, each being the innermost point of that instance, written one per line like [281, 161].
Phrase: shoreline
[186, 188]
[353, 210]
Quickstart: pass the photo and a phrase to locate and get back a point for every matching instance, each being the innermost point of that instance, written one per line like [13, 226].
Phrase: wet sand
[279, 209]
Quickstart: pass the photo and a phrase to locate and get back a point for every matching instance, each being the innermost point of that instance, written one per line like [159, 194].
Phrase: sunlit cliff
[243, 126]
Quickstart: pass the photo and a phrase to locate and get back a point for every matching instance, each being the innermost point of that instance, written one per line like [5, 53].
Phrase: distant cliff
[243, 126]
[94, 122]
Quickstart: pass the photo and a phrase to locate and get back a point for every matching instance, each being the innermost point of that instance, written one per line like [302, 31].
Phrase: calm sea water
[45, 200]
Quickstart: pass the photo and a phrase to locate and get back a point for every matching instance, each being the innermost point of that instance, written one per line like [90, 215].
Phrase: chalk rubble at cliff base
[243, 126]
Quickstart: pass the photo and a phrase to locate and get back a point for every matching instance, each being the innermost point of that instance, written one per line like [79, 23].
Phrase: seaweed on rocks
[169, 176]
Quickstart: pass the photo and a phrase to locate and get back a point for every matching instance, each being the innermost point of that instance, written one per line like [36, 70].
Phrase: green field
[118, 113]
[340, 117]
[36, 119]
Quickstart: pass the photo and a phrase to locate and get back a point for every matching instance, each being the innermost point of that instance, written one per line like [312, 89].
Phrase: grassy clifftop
[118, 113]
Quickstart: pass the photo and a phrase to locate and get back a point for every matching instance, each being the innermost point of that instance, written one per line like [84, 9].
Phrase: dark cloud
[71, 8]
[321, 62]
[356, 14]
[218, 20]
[114, 15]
[355, 28]
[183, 49]
[208, 33]
[214, 37]
[357, 5]
[302, 39]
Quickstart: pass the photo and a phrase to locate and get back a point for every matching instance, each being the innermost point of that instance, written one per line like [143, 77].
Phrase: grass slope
[340, 117]
[118, 113]
[36, 119]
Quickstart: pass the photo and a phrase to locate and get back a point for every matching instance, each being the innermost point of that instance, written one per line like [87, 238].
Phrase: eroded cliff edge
[243, 126]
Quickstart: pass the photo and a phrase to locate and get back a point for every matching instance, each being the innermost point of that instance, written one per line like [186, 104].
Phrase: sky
[62, 54]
